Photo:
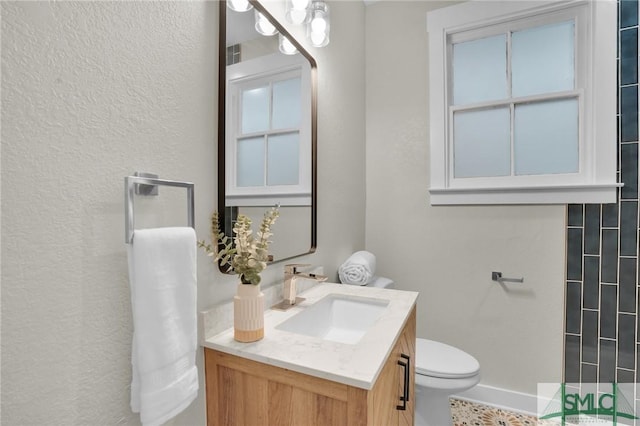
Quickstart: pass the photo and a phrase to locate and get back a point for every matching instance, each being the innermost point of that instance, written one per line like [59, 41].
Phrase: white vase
[248, 313]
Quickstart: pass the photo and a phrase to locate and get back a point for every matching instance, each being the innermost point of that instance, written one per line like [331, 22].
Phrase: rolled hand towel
[358, 269]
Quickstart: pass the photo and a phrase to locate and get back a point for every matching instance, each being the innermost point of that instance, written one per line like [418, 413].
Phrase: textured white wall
[92, 91]
[448, 253]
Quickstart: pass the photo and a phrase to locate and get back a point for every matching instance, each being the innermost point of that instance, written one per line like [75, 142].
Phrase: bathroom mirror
[267, 128]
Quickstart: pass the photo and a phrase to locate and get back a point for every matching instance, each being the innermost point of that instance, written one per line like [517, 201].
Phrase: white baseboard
[501, 398]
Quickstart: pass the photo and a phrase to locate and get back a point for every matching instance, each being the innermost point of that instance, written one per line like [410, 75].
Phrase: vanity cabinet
[240, 391]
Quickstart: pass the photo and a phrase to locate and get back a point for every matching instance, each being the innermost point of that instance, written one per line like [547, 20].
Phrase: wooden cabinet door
[385, 397]
[242, 392]
[407, 346]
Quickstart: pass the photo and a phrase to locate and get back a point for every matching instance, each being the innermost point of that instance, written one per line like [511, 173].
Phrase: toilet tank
[381, 282]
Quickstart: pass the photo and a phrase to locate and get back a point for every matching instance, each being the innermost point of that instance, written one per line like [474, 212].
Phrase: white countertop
[352, 364]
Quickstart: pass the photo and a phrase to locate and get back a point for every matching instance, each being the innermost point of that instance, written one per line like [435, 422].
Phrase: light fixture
[297, 11]
[264, 26]
[312, 13]
[319, 25]
[239, 5]
[286, 46]
[315, 15]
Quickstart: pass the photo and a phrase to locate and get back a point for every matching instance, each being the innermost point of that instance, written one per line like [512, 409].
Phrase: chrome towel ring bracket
[147, 184]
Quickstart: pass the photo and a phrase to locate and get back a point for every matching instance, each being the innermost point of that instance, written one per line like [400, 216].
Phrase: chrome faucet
[290, 275]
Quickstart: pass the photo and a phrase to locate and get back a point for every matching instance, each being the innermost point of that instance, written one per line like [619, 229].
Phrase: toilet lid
[436, 359]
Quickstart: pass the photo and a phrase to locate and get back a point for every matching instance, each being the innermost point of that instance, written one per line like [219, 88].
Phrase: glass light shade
[297, 17]
[297, 11]
[239, 5]
[299, 4]
[319, 39]
[264, 26]
[319, 24]
[286, 46]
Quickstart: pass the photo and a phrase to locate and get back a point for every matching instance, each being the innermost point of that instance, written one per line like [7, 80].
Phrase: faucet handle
[292, 268]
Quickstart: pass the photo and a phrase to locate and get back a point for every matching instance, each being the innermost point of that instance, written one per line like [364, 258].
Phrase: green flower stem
[245, 255]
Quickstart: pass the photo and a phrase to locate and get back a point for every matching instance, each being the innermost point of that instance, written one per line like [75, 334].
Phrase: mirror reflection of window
[287, 103]
[282, 160]
[255, 109]
[268, 131]
[250, 162]
[268, 144]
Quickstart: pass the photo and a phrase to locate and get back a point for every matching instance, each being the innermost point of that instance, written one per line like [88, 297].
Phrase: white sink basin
[338, 318]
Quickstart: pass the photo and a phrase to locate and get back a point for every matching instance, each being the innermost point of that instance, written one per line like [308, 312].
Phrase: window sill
[253, 200]
[572, 194]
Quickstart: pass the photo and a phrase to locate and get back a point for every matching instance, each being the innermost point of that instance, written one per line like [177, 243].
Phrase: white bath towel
[358, 269]
[162, 276]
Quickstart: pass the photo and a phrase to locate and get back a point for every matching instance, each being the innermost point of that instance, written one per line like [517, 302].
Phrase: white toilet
[441, 371]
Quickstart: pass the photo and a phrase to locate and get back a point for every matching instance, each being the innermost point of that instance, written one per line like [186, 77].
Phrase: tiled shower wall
[602, 343]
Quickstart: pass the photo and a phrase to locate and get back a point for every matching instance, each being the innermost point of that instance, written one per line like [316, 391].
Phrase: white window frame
[256, 72]
[595, 73]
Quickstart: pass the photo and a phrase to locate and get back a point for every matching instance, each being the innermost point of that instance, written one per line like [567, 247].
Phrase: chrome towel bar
[497, 276]
[147, 186]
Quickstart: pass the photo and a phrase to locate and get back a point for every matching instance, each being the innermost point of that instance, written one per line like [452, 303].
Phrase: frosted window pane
[480, 70]
[255, 110]
[482, 146]
[287, 104]
[250, 170]
[543, 59]
[283, 156]
[546, 137]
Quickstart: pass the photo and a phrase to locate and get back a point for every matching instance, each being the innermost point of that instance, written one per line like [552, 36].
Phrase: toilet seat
[436, 359]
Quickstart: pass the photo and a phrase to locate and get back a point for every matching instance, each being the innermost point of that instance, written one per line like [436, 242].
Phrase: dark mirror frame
[222, 91]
